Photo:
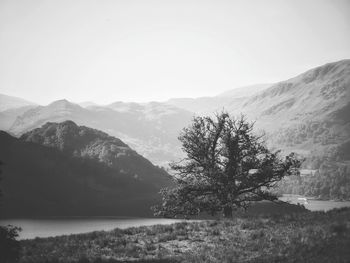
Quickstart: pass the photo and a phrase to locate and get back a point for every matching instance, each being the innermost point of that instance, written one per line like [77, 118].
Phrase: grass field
[297, 237]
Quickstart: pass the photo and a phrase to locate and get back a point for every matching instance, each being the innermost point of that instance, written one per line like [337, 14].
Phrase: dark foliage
[330, 181]
[90, 186]
[9, 246]
[227, 167]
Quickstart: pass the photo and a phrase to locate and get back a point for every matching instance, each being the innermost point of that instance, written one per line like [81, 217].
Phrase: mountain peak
[68, 136]
[63, 104]
[68, 124]
[85, 142]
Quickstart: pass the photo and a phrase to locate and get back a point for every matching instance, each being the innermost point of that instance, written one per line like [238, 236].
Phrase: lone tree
[226, 168]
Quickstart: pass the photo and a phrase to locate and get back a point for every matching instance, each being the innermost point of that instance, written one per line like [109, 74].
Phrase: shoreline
[295, 236]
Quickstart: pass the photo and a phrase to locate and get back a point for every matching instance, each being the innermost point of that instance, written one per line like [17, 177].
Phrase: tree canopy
[226, 167]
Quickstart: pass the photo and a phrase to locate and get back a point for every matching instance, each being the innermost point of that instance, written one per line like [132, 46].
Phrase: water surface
[314, 204]
[32, 228]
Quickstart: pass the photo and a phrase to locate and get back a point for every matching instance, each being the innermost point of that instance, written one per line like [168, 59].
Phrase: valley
[307, 114]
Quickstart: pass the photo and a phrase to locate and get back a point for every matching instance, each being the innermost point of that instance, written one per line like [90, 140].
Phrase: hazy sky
[142, 50]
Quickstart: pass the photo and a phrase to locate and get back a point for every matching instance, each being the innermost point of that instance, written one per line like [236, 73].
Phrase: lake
[32, 228]
[314, 204]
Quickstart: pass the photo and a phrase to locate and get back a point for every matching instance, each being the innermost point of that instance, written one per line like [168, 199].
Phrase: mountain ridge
[99, 174]
[85, 142]
[318, 95]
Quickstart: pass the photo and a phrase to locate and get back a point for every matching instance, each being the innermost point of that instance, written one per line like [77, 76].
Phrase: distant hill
[62, 169]
[86, 104]
[8, 117]
[10, 102]
[88, 143]
[202, 105]
[245, 91]
[305, 113]
[308, 113]
[208, 105]
[151, 128]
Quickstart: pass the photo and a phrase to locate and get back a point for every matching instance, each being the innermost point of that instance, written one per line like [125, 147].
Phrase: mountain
[151, 128]
[62, 169]
[10, 102]
[201, 106]
[7, 117]
[57, 111]
[245, 91]
[304, 112]
[308, 114]
[86, 104]
[208, 105]
[84, 142]
[11, 108]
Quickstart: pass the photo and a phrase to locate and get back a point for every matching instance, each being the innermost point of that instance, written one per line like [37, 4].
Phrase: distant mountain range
[304, 114]
[10, 102]
[151, 128]
[64, 169]
[100, 174]
[208, 105]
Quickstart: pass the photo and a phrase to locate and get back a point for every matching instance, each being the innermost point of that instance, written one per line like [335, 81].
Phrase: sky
[138, 50]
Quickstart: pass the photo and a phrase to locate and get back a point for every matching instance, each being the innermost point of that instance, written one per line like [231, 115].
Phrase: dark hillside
[41, 181]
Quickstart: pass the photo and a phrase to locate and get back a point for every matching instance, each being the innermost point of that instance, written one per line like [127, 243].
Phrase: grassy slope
[301, 237]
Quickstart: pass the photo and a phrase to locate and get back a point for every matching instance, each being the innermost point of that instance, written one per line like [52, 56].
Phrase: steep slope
[151, 129]
[10, 102]
[66, 170]
[84, 142]
[305, 112]
[313, 94]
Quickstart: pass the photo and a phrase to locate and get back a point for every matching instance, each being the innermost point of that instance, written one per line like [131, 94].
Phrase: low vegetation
[331, 179]
[296, 237]
[330, 182]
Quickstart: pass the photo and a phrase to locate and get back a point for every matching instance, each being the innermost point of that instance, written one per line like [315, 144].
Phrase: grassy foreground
[300, 237]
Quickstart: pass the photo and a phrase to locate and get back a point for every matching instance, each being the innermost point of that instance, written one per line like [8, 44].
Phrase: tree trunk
[227, 211]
